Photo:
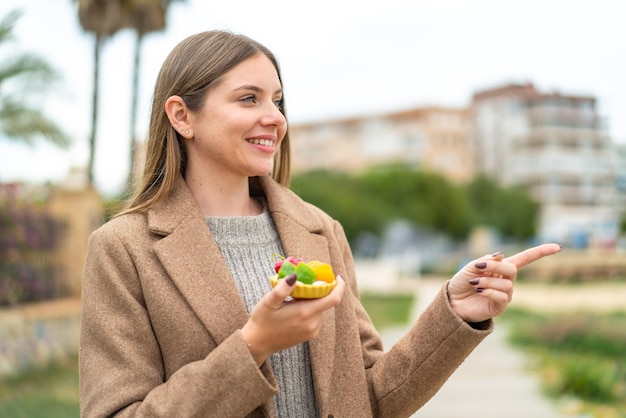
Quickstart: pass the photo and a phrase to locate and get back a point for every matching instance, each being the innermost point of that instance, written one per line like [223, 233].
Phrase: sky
[338, 59]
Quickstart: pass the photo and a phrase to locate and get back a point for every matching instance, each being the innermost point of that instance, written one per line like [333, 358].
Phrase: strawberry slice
[279, 263]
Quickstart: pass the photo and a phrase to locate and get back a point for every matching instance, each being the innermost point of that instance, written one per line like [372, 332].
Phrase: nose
[272, 115]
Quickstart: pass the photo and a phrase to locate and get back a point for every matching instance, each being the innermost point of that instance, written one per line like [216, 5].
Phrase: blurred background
[434, 131]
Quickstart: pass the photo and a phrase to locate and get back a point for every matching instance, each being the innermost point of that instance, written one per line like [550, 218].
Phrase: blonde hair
[189, 71]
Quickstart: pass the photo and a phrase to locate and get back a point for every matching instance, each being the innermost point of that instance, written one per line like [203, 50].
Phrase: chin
[262, 171]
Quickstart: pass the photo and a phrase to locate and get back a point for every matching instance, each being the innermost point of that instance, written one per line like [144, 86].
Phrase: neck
[223, 198]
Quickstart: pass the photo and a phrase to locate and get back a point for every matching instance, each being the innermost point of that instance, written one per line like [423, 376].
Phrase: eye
[279, 103]
[249, 99]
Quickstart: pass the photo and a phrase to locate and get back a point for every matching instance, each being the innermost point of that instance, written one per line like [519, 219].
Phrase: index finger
[526, 257]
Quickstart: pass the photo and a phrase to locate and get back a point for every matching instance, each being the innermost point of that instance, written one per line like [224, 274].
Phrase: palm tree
[104, 18]
[144, 16]
[20, 73]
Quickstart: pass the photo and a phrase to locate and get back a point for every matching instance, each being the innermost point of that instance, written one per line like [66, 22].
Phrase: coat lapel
[303, 234]
[193, 262]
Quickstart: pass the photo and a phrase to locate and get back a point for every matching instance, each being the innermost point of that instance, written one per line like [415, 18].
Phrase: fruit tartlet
[314, 279]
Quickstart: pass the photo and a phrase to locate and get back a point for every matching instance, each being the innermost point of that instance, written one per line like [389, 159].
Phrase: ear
[178, 114]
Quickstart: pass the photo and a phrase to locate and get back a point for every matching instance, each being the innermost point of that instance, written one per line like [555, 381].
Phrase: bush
[580, 333]
[368, 201]
[27, 239]
[582, 354]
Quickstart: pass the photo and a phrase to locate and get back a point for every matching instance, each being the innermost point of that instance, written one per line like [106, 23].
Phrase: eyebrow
[255, 88]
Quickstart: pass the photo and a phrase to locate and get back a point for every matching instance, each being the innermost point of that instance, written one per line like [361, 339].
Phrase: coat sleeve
[405, 377]
[120, 364]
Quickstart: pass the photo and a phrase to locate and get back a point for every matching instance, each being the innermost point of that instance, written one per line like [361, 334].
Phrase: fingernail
[474, 282]
[560, 247]
[479, 290]
[497, 253]
[480, 265]
[291, 279]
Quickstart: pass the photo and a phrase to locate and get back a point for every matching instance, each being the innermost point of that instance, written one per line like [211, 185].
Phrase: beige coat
[161, 321]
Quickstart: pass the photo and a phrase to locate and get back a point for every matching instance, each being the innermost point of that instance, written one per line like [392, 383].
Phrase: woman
[178, 316]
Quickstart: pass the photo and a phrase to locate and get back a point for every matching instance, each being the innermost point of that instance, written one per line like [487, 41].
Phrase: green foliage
[343, 197]
[49, 393]
[387, 310]
[369, 201]
[579, 333]
[21, 74]
[582, 354]
[425, 199]
[589, 377]
[511, 211]
[622, 224]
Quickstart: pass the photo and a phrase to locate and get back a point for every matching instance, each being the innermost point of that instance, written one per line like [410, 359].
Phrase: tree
[103, 18]
[370, 200]
[510, 210]
[21, 74]
[144, 16]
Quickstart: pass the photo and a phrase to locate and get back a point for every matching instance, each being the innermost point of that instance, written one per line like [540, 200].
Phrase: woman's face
[240, 126]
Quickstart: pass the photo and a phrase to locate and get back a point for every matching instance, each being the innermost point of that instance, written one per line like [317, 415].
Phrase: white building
[555, 146]
[432, 138]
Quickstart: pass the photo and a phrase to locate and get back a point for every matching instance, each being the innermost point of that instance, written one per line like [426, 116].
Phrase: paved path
[491, 383]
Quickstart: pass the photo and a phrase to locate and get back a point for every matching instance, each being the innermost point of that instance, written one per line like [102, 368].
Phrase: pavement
[493, 382]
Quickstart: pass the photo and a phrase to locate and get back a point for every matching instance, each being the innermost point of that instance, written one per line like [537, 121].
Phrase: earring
[186, 131]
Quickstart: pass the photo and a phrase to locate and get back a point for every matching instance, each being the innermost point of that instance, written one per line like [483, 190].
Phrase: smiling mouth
[264, 142]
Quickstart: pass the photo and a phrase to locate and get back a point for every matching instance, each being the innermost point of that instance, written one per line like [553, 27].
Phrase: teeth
[265, 142]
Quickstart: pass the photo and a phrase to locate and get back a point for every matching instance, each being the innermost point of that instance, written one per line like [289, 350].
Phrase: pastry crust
[307, 291]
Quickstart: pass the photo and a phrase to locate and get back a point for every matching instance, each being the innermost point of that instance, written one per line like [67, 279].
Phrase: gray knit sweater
[247, 244]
